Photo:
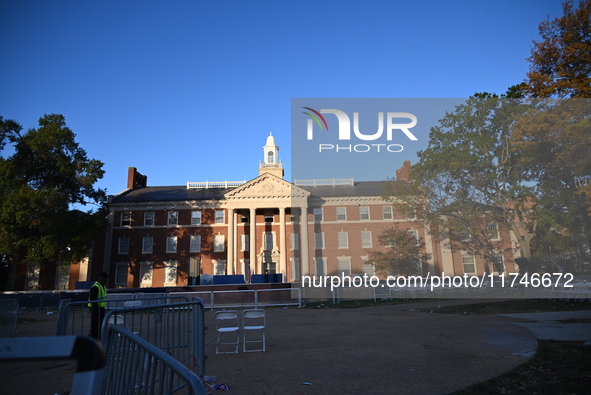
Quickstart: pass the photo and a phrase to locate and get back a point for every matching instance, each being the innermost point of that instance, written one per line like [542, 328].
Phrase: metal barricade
[8, 317]
[88, 352]
[135, 366]
[74, 317]
[248, 298]
[176, 328]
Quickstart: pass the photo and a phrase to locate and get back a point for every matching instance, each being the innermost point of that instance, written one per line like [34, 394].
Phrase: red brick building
[164, 235]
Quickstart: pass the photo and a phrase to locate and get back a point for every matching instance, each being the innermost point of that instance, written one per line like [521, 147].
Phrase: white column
[304, 242]
[252, 247]
[230, 258]
[282, 244]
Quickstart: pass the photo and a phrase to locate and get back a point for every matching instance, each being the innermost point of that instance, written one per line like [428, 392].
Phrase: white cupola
[271, 162]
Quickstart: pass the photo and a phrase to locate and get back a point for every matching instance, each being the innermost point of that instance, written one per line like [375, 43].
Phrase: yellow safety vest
[102, 294]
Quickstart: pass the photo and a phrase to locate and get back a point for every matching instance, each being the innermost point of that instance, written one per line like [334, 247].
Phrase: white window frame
[501, 261]
[125, 219]
[341, 213]
[220, 217]
[196, 217]
[149, 215]
[147, 245]
[219, 242]
[295, 269]
[195, 243]
[466, 257]
[344, 266]
[366, 239]
[171, 244]
[268, 236]
[342, 240]
[219, 267]
[493, 231]
[363, 214]
[146, 274]
[411, 213]
[170, 272]
[367, 268]
[119, 266]
[124, 246]
[415, 234]
[387, 212]
[173, 218]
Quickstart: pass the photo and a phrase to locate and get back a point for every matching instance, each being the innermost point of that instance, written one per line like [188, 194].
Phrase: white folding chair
[253, 321]
[227, 324]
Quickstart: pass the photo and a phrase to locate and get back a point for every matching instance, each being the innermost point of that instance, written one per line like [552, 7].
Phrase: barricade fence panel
[136, 366]
[176, 328]
[74, 317]
[248, 298]
[8, 317]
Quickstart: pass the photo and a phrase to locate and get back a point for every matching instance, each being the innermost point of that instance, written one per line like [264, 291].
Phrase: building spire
[271, 162]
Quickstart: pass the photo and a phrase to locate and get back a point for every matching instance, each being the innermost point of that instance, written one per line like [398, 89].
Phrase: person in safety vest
[98, 295]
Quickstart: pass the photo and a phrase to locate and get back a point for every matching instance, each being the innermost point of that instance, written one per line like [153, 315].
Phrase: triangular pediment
[267, 186]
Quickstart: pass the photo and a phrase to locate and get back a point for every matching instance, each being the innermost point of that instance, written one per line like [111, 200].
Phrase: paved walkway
[378, 350]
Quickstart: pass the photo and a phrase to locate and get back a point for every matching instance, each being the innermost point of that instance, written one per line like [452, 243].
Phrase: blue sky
[189, 90]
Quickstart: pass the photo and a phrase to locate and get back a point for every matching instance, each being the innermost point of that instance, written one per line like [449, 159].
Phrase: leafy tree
[560, 63]
[44, 182]
[403, 255]
[468, 178]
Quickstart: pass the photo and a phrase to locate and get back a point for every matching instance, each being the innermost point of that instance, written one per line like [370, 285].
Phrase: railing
[326, 182]
[176, 328]
[134, 366]
[214, 184]
[74, 317]
[254, 298]
[8, 317]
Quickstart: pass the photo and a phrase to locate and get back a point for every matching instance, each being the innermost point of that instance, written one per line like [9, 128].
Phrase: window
[218, 243]
[364, 213]
[149, 218]
[268, 241]
[465, 236]
[367, 268]
[415, 235]
[366, 239]
[295, 269]
[170, 273]
[319, 240]
[244, 242]
[493, 232]
[121, 274]
[317, 214]
[294, 241]
[269, 218]
[124, 245]
[171, 244]
[173, 218]
[125, 219]
[219, 267]
[469, 262]
[418, 269]
[344, 266]
[411, 212]
[147, 245]
[343, 240]
[195, 217]
[195, 243]
[498, 262]
[270, 157]
[219, 217]
[320, 265]
[146, 269]
[387, 212]
[341, 213]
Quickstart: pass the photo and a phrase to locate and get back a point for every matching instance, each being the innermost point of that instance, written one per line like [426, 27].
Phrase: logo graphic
[315, 118]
